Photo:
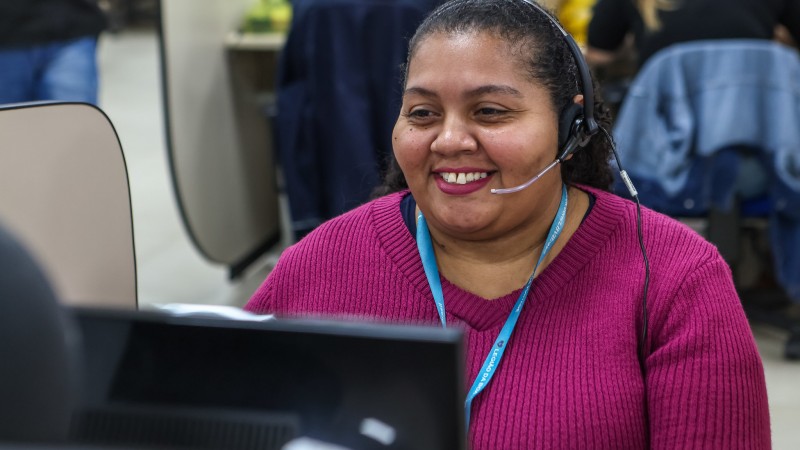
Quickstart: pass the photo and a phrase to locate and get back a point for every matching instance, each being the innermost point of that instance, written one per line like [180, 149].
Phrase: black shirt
[33, 22]
[692, 20]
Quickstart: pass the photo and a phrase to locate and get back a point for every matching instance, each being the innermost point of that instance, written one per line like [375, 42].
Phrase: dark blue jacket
[339, 92]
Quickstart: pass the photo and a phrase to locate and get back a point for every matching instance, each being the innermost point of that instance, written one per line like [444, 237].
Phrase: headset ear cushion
[568, 116]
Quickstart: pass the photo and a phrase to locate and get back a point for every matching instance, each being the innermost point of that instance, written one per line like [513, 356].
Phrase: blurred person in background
[783, 36]
[656, 24]
[48, 50]
[574, 16]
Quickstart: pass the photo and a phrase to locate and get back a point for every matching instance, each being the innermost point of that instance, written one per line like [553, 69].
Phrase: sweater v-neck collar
[477, 312]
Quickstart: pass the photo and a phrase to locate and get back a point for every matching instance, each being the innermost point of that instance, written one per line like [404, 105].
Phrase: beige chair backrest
[64, 193]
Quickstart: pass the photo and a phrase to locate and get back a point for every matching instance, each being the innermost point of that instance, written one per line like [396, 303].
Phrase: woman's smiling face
[473, 120]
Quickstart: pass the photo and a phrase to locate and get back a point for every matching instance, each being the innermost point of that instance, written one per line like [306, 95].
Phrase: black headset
[576, 127]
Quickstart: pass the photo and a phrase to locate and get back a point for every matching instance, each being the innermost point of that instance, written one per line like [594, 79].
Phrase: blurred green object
[268, 16]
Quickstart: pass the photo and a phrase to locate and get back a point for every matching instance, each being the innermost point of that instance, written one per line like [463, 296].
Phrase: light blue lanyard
[425, 248]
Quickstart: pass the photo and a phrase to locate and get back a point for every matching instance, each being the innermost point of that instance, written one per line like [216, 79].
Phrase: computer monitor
[153, 379]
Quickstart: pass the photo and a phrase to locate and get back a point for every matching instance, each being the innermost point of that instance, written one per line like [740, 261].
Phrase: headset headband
[590, 124]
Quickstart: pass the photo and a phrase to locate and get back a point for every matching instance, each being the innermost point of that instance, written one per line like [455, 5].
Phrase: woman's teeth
[462, 178]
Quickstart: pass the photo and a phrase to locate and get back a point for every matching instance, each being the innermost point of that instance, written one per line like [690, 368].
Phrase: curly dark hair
[537, 43]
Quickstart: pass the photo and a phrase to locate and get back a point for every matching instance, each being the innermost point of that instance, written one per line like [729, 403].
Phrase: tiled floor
[171, 270]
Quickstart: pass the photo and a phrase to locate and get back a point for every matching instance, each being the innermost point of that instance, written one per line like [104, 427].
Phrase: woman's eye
[490, 112]
[420, 114]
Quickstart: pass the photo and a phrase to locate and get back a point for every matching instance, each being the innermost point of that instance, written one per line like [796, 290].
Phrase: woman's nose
[454, 137]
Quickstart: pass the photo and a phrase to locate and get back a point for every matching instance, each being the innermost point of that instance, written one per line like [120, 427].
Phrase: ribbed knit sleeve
[706, 386]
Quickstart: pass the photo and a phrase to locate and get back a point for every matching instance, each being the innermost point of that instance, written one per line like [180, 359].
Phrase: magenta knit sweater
[570, 378]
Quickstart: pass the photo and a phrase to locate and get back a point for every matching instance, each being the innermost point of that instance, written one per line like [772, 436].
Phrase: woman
[657, 24]
[486, 81]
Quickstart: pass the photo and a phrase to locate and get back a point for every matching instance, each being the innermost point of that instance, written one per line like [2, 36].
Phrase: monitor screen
[197, 382]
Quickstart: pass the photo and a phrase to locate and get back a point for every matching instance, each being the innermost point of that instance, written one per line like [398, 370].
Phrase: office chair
[708, 132]
[64, 193]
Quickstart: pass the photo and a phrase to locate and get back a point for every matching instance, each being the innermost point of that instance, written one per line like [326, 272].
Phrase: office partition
[218, 134]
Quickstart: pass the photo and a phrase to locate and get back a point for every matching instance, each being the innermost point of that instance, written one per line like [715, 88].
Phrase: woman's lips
[456, 183]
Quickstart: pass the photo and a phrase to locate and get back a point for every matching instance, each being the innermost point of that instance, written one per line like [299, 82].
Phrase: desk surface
[236, 40]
